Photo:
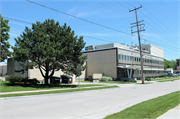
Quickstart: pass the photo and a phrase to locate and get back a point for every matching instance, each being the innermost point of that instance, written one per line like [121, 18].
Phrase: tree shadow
[41, 85]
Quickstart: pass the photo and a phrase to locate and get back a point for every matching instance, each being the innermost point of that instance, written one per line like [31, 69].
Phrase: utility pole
[137, 25]
[0, 36]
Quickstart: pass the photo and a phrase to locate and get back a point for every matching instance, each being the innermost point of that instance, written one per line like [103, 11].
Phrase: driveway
[83, 105]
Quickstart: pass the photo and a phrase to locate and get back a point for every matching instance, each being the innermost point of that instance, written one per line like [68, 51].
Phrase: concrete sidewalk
[18, 92]
[171, 114]
[94, 104]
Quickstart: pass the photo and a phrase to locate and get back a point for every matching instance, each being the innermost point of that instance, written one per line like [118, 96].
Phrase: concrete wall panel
[102, 62]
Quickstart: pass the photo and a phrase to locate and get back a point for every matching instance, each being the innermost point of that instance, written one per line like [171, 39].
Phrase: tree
[177, 62]
[174, 64]
[49, 47]
[4, 35]
[167, 64]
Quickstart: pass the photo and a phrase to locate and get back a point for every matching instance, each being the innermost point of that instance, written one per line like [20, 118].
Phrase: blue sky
[161, 19]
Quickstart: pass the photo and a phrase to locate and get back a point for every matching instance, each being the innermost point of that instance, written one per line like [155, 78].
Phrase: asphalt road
[82, 105]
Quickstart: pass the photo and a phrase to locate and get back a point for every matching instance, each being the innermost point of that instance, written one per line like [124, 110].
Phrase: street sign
[79, 69]
[178, 68]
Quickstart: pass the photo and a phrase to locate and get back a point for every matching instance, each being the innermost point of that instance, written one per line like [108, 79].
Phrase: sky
[110, 20]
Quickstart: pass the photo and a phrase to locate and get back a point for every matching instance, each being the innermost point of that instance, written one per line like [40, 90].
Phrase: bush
[33, 81]
[105, 79]
[25, 80]
[131, 80]
[6, 77]
[125, 80]
[147, 79]
[114, 79]
[12, 79]
[109, 78]
[162, 76]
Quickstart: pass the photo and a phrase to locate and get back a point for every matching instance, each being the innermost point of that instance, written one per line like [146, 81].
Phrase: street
[83, 105]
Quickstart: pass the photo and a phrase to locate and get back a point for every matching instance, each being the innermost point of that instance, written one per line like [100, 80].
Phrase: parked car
[171, 74]
[166, 74]
[178, 74]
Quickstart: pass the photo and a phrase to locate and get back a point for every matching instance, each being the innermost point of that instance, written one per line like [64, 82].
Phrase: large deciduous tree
[4, 35]
[177, 62]
[167, 64]
[50, 47]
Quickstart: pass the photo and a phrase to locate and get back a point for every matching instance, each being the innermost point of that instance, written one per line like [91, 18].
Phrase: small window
[119, 56]
[122, 57]
[125, 57]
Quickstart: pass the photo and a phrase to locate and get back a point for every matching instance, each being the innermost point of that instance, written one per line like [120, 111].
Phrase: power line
[112, 8]
[17, 20]
[148, 23]
[162, 44]
[104, 12]
[129, 3]
[90, 36]
[120, 4]
[77, 34]
[154, 23]
[116, 7]
[151, 20]
[78, 17]
[100, 10]
[155, 17]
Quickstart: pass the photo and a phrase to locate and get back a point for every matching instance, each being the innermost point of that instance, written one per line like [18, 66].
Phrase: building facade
[3, 70]
[13, 67]
[114, 60]
[123, 62]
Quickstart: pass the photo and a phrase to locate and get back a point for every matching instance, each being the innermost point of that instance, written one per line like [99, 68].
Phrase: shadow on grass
[39, 85]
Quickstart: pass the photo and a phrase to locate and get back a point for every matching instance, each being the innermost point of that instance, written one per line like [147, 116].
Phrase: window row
[136, 59]
[149, 72]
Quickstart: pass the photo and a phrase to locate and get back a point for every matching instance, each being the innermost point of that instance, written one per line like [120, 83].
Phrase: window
[127, 57]
[122, 57]
[119, 56]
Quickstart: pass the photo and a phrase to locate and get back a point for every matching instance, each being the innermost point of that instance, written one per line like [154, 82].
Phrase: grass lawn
[59, 91]
[166, 78]
[110, 82]
[149, 109]
[146, 83]
[6, 87]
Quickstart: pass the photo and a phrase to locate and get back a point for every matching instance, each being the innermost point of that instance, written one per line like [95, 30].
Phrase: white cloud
[14, 34]
[150, 34]
[81, 12]
[70, 11]
[135, 37]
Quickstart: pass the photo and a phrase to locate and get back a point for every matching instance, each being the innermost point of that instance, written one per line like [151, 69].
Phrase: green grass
[146, 83]
[60, 91]
[124, 82]
[110, 82]
[165, 78]
[6, 87]
[149, 109]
